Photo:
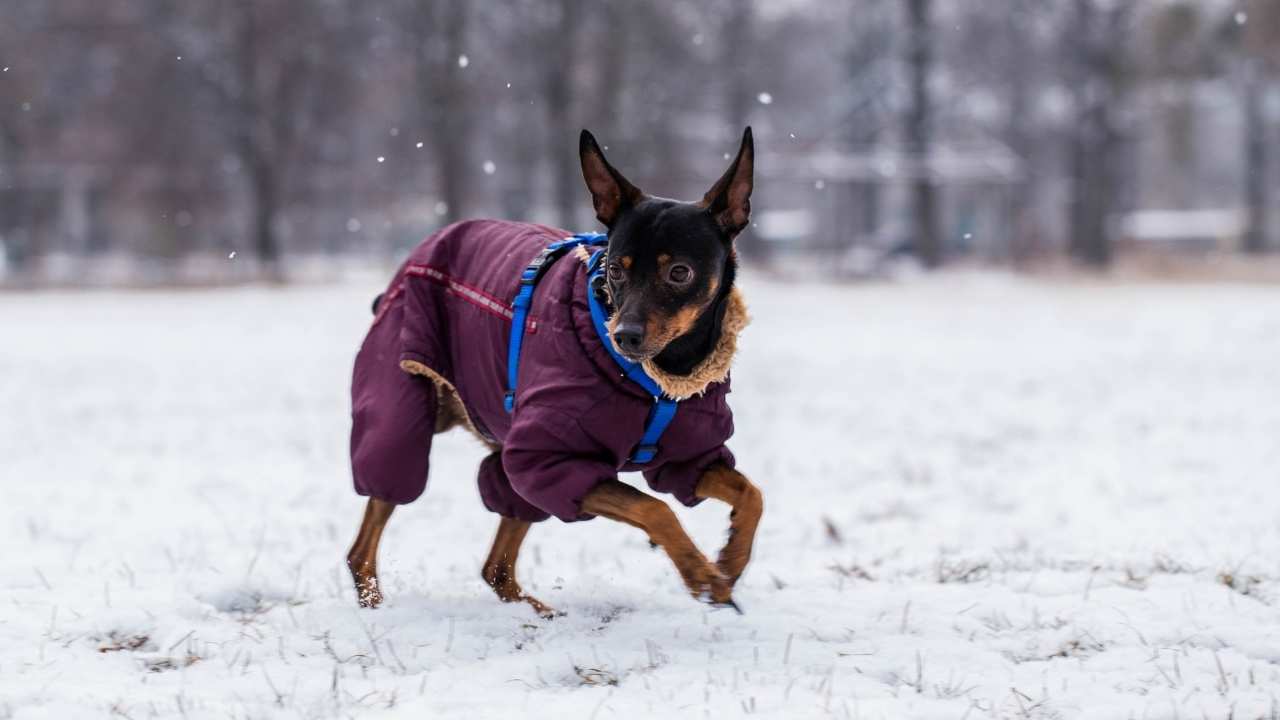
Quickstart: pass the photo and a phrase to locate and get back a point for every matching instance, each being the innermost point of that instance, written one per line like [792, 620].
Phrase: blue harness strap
[664, 408]
[524, 298]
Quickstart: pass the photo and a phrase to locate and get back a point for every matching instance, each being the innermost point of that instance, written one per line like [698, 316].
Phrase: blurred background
[215, 141]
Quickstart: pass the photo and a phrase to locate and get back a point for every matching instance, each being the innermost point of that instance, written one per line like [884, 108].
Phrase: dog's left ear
[729, 200]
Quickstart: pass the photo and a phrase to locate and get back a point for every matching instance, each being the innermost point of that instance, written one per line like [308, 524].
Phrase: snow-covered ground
[985, 497]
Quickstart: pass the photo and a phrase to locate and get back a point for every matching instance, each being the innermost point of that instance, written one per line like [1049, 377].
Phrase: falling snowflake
[463, 61]
[1242, 18]
[381, 159]
[819, 184]
[394, 131]
[353, 225]
[489, 167]
[793, 136]
[765, 98]
[232, 256]
[508, 86]
[419, 143]
[442, 208]
[727, 156]
[697, 38]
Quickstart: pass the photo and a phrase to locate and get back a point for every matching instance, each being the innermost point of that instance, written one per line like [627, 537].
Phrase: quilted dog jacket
[436, 356]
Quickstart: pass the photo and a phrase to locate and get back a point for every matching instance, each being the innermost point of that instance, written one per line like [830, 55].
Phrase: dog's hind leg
[362, 559]
[500, 568]
[619, 501]
[732, 487]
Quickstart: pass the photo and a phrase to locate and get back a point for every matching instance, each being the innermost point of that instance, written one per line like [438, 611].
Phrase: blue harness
[664, 408]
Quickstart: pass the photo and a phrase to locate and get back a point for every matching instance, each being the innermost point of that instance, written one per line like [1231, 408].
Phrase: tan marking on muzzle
[659, 330]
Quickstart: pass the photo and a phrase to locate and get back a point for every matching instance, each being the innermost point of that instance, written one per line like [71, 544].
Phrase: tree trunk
[736, 43]
[1098, 157]
[866, 60]
[613, 49]
[1018, 134]
[255, 148]
[16, 225]
[919, 122]
[447, 104]
[561, 138]
[1094, 156]
[1255, 161]
[735, 46]
[265, 202]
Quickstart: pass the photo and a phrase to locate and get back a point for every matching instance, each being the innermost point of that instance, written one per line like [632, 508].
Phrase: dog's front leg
[619, 501]
[730, 486]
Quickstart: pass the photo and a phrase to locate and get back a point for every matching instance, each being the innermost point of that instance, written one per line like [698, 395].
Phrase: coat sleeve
[679, 475]
[680, 478]
[550, 463]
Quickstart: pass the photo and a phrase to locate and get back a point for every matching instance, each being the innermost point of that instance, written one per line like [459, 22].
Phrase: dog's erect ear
[610, 192]
[729, 200]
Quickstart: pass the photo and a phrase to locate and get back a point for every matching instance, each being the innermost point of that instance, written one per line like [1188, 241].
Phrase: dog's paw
[546, 612]
[727, 604]
[368, 591]
[707, 584]
[368, 594]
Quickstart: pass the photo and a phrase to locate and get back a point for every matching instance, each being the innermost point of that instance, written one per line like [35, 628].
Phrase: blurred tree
[437, 42]
[919, 128]
[869, 52]
[210, 121]
[1096, 45]
[1257, 32]
[17, 126]
[1022, 72]
[1179, 61]
[270, 72]
[560, 38]
[612, 47]
[45, 92]
[734, 62]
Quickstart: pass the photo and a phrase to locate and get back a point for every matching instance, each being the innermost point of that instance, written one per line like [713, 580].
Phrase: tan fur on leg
[619, 501]
[500, 569]
[732, 487]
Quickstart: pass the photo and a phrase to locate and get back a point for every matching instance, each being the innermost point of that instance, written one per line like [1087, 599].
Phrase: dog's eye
[679, 274]
[615, 273]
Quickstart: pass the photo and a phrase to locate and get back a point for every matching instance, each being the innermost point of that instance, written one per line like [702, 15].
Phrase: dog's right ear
[610, 192]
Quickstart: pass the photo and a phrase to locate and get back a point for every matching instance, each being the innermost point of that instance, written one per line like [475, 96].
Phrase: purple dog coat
[436, 356]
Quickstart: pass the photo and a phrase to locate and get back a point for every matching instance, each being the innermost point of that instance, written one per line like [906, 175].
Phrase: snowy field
[985, 497]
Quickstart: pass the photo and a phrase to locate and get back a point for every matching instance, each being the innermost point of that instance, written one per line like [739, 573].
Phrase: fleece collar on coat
[715, 366]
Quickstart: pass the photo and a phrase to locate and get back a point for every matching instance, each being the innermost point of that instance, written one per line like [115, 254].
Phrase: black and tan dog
[437, 356]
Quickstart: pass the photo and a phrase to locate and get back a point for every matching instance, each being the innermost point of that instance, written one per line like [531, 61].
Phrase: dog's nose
[629, 336]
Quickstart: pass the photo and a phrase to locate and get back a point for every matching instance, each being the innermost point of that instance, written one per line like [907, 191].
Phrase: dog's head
[668, 261]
